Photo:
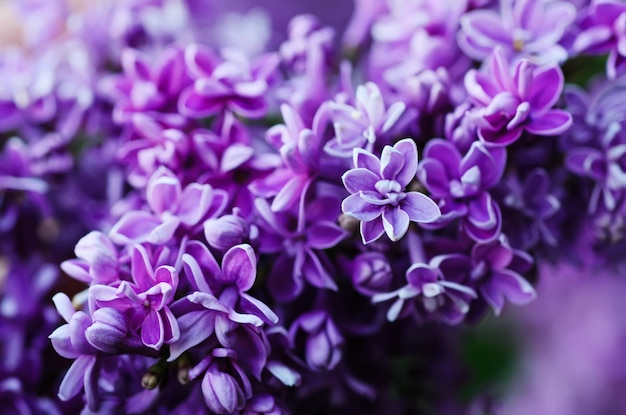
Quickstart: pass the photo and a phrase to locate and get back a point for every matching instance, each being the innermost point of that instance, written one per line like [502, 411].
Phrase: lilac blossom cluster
[268, 225]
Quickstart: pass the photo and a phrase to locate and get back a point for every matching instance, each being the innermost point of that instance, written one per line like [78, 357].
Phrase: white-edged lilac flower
[145, 301]
[171, 206]
[436, 290]
[523, 28]
[378, 198]
[365, 123]
[518, 100]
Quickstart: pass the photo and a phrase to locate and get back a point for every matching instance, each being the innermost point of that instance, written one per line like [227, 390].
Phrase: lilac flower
[362, 125]
[434, 290]
[378, 198]
[605, 166]
[495, 273]
[300, 150]
[170, 206]
[148, 89]
[225, 386]
[461, 185]
[70, 342]
[145, 301]
[523, 28]
[97, 260]
[299, 239]
[516, 103]
[229, 230]
[322, 340]
[370, 272]
[305, 35]
[603, 29]
[535, 205]
[220, 305]
[231, 83]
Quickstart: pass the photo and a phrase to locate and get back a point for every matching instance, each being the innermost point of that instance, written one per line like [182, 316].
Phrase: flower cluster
[258, 226]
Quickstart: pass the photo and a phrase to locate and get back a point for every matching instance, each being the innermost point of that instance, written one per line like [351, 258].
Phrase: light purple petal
[372, 230]
[396, 223]
[553, 122]
[355, 206]
[134, 227]
[359, 179]
[420, 208]
[239, 266]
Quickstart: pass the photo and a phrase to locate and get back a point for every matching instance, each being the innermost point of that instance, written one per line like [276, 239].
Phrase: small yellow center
[518, 45]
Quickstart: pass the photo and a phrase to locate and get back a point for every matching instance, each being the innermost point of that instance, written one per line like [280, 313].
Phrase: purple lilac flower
[605, 166]
[363, 125]
[323, 340]
[299, 238]
[70, 342]
[231, 82]
[415, 35]
[300, 149]
[145, 300]
[462, 183]
[170, 206]
[435, 290]
[536, 204]
[603, 29]
[378, 198]
[97, 260]
[147, 88]
[524, 29]
[495, 272]
[512, 104]
[220, 305]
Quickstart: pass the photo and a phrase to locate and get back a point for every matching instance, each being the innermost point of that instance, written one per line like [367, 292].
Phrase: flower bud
[225, 232]
[371, 273]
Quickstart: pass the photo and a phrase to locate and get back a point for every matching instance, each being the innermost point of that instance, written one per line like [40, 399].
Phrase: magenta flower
[378, 198]
[523, 28]
[170, 206]
[231, 82]
[145, 300]
[512, 104]
[604, 31]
